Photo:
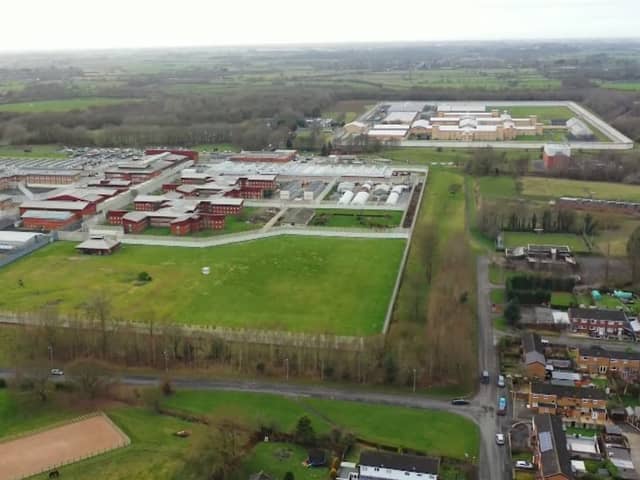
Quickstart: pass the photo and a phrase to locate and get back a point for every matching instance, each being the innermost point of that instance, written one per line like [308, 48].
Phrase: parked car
[485, 378]
[524, 465]
[57, 372]
[460, 401]
[501, 381]
[502, 406]
[500, 438]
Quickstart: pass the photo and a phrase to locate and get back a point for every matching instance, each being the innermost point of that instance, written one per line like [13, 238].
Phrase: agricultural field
[614, 241]
[339, 218]
[518, 239]
[300, 284]
[66, 105]
[540, 187]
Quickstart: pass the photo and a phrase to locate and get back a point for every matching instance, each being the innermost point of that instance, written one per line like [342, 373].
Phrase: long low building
[586, 406]
[599, 361]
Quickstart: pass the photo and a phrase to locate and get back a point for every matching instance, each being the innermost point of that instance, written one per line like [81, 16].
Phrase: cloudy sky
[80, 24]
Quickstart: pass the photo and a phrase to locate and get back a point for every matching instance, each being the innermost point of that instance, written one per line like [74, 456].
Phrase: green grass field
[35, 151]
[497, 187]
[22, 412]
[556, 187]
[438, 433]
[276, 459]
[545, 114]
[60, 105]
[626, 86]
[301, 284]
[425, 155]
[339, 218]
[518, 239]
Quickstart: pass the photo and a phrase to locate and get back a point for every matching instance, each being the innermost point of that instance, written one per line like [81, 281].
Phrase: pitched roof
[598, 314]
[98, 243]
[533, 350]
[565, 391]
[597, 351]
[552, 442]
[407, 463]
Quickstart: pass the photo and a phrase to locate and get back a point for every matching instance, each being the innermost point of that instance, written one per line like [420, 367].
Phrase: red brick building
[48, 220]
[556, 156]
[148, 203]
[78, 207]
[135, 222]
[599, 321]
[221, 206]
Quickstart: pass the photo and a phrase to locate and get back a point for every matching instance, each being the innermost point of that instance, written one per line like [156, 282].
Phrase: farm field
[555, 187]
[348, 110]
[300, 284]
[614, 242]
[356, 218]
[544, 114]
[60, 105]
[439, 433]
[518, 239]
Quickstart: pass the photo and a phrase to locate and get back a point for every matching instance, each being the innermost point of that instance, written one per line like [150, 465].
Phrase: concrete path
[274, 219]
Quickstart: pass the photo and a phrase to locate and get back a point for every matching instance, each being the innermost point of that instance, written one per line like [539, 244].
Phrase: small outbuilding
[316, 458]
[99, 245]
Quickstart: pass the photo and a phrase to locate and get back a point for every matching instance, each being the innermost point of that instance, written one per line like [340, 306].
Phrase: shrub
[144, 277]
[3, 383]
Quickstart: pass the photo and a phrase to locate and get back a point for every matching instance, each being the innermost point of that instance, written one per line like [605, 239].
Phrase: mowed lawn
[497, 187]
[65, 105]
[301, 284]
[558, 187]
[339, 218]
[520, 239]
[429, 431]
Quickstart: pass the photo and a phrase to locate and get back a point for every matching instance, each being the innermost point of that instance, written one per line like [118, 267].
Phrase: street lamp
[50, 350]
[286, 366]
[414, 380]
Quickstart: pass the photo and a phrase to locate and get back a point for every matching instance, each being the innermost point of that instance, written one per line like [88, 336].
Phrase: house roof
[532, 347]
[98, 243]
[597, 351]
[598, 314]
[552, 442]
[565, 391]
[47, 214]
[407, 463]
[53, 205]
[135, 216]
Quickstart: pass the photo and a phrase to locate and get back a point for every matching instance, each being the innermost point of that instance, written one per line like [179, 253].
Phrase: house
[599, 321]
[556, 156]
[99, 245]
[598, 361]
[347, 471]
[577, 405]
[550, 448]
[378, 465]
[533, 356]
[316, 457]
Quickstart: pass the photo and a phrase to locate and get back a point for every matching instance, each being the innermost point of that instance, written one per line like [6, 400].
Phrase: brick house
[599, 321]
[533, 356]
[550, 448]
[577, 405]
[598, 361]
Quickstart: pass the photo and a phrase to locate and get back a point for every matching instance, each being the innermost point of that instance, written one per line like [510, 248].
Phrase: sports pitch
[299, 284]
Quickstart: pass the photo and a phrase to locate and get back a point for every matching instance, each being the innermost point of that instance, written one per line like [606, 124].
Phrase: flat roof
[11, 236]
[387, 133]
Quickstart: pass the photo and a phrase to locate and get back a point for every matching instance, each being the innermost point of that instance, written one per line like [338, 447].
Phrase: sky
[89, 24]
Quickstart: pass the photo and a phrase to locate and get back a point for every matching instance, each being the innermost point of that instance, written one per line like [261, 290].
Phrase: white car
[523, 464]
[500, 438]
[57, 372]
